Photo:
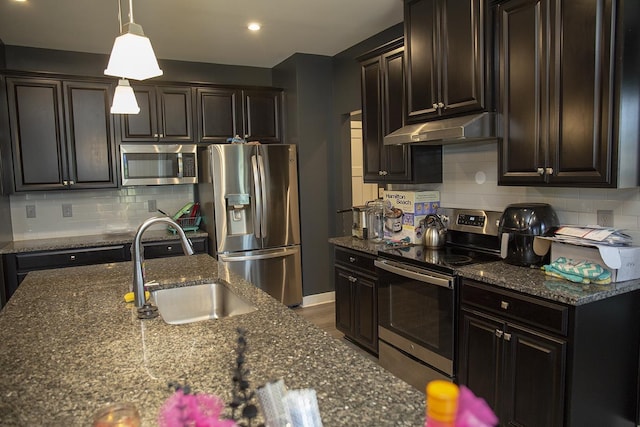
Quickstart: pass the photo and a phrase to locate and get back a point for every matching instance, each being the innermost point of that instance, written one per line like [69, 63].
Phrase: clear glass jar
[375, 218]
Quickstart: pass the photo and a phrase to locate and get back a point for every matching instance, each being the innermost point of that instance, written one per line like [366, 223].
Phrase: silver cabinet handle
[169, 248]
[549, 171]
[499, 333]
[155, 135]
[72, 182]
[504, 305]
[440, 105]
[352, 279]
[507, 337]
[540, 171]
[435, 106]
[72, 257]
[352, 259]
[65, 182]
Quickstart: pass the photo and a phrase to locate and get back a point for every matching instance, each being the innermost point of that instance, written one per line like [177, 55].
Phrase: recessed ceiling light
[253, 26]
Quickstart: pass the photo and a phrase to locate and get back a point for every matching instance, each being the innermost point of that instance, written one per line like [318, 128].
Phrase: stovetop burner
[445, 259]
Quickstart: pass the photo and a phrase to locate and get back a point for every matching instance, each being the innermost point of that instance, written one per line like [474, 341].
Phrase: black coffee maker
[519, 224]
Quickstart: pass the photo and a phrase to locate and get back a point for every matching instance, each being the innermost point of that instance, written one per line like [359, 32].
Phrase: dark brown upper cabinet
[263, 120]
[62, 134]
[254, 114]
[382, 78]
[569, 90]
[166, 114]
[219, 113]
[446, 54]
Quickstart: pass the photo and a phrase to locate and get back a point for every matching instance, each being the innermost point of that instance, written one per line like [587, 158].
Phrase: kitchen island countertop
[70, 345]
[531, 281]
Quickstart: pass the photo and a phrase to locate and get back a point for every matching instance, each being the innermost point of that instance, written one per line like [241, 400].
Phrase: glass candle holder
[117, 415]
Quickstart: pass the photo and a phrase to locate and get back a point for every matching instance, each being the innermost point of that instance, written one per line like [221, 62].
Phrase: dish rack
[187, 224]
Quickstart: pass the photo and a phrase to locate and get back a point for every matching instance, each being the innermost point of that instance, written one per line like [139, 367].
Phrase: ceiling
[213, 31]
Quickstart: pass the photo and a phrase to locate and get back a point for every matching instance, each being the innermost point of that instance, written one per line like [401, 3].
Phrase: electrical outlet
[605, 218]
[67, 212]
[31, 211]
[153, 207]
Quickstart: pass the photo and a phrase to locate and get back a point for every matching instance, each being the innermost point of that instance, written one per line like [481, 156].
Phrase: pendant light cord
[120, 16]
[130, 10]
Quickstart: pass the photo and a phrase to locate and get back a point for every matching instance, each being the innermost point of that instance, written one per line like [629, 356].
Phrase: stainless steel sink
[199, 302]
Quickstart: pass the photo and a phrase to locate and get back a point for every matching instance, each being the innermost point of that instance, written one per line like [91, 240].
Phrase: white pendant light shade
[132, 56]
[124, 100]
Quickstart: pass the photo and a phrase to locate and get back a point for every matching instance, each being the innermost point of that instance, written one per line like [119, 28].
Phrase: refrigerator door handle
[257, 216]
[263, 182]
[276, 254]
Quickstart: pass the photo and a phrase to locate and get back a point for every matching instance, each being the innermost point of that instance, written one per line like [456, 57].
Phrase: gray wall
[346, 98]
[306, 80]
[91, 64]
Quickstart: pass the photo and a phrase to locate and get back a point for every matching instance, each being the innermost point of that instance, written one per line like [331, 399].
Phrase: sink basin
[199, 302]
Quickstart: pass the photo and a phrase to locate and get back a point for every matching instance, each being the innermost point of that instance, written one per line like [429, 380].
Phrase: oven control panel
[477, 221]
[472, 220]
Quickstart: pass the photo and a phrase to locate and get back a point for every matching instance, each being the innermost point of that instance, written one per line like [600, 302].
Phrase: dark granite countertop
[70, 345]
[531, 281]
[106, 239]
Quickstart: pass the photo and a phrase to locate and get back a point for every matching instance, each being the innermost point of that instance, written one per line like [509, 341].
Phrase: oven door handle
[395, 268]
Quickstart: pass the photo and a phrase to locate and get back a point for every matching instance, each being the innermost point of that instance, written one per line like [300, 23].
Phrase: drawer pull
[72, 257]
[352, 259]
[499, 333]
[507, 337]
[169, 248]
[352, 279]
[504, 305]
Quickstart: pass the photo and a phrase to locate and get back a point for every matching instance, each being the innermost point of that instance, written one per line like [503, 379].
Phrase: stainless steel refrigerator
[248, 197]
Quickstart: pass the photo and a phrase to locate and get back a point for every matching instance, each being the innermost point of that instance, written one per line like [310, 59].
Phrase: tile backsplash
[470, 175]
[91, 212]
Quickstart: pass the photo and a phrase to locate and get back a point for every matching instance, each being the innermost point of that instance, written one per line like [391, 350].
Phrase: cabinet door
[344, 303]
[37, 134]
[263, 115]
[533, 385]
[523, 36]
[176, 114]
[371, 73]
[479, 365]
[422, 54]
[219, 114]
[365, 329]
[395, 158]
[91, 147]
[144, 125]
[463, 56]
[582, 94]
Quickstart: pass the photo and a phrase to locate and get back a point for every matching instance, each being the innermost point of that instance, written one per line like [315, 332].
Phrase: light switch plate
[67, 212]
[31, 211]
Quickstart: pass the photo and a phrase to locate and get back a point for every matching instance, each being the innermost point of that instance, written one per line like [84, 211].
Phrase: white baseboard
[316, 299]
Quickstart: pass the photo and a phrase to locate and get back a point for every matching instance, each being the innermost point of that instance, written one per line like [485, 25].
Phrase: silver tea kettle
[435, 232]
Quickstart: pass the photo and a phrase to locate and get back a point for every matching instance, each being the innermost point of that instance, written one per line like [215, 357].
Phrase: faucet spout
[137, 255]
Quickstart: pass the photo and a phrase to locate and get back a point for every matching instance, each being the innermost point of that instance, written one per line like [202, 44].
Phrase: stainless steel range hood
[455, 130]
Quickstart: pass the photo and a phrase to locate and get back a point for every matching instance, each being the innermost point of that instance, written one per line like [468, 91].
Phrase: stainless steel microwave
[158, 164]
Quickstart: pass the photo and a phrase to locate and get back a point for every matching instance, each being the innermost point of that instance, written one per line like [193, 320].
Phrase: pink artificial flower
[473, 411]
[193, 410]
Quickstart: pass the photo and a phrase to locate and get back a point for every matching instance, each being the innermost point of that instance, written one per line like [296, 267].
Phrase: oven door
[416, 310]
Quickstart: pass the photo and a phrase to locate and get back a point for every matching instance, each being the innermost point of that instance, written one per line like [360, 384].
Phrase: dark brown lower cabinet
[356, 298]
[16, 266]
[541, 363]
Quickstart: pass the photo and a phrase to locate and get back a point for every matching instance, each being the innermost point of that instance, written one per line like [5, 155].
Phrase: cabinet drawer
[69, 258]
[172, 248]
[527, 310]
[355, 259]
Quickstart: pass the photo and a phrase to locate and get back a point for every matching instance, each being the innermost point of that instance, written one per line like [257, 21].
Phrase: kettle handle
[437, 218]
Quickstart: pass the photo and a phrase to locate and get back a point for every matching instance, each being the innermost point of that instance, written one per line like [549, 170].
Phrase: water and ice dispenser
[239, 214]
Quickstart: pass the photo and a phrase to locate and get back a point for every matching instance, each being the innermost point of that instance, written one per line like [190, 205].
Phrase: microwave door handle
[257, 203]
[263, 183]
[180, 166]
[426, 278]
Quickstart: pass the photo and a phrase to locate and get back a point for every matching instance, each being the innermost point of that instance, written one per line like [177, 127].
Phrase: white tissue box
[622, 261]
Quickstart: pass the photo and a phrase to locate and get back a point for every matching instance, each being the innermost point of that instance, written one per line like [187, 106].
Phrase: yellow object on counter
[129, 296]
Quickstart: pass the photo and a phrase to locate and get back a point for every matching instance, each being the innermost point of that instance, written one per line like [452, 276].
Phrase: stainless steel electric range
[418, 296]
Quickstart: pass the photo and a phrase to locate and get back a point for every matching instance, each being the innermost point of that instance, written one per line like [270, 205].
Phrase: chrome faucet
[146, 310]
